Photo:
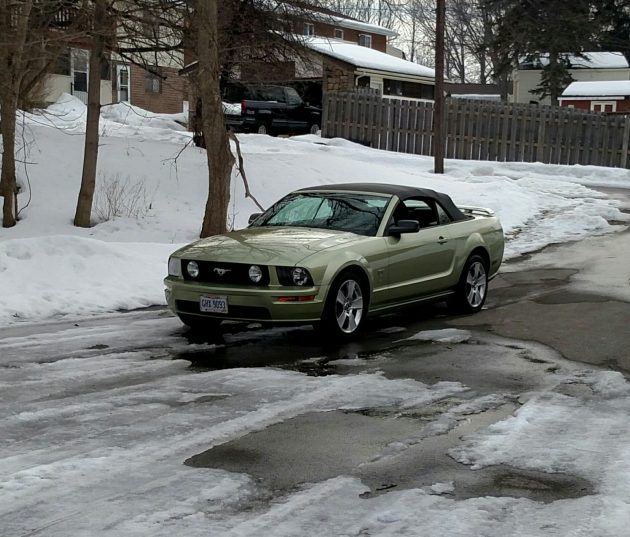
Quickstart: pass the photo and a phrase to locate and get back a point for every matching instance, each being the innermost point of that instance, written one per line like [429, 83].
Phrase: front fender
[326, 267]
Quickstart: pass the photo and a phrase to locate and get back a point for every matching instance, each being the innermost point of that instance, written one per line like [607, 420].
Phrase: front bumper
[247, 303]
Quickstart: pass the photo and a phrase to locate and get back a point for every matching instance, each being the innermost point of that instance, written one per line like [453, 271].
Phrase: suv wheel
[262, 128]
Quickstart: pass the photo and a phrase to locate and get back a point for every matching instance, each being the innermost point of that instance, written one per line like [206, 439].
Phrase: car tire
[346, 306]
[313, 129]
[472, 289]
[202, 325]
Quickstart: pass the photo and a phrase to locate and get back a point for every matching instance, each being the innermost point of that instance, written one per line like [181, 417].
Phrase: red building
[608, 96]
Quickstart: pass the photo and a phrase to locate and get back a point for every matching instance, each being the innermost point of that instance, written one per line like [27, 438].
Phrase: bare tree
[142, 33]
[242, 32]
[28, 45]
[101, 33]
[219, 156]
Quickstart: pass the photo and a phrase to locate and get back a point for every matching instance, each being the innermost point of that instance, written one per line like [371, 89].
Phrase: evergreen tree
[613, 17]
[543, 32]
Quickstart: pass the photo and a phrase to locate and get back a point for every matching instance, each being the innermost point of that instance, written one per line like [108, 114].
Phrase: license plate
[213, 304]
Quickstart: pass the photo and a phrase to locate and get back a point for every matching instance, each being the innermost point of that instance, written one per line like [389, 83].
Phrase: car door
[420, 263]
[296, 112]
[276, 104]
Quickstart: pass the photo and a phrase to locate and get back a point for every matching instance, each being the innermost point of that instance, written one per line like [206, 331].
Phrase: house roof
[347, 22]
[367, 58]
[331, 16]
[600, 88]
[591, 60]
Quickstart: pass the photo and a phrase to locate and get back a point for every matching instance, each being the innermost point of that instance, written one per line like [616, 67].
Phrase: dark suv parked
[269, 110]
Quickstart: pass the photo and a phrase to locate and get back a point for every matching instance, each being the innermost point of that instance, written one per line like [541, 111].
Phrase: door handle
[442, 240]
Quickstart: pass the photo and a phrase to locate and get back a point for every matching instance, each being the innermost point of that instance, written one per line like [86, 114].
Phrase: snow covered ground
[94, 440]
[119, 263]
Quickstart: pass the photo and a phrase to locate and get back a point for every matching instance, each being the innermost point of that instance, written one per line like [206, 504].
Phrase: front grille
[228, 273]
[234, 312]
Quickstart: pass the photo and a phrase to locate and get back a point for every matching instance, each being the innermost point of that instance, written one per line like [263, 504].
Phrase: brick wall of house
[323, 29]
[338, 76]
[170, 98]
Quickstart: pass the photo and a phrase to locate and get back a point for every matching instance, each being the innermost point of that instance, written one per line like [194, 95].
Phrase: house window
[365, 40]
[309, 28]
[62, 65]
[152, 82]
[412, 90]
[604, 106]
[338, 33]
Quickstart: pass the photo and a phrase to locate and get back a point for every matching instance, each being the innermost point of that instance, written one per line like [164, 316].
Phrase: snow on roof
[591, 60]
[367, 58]
[597, 88]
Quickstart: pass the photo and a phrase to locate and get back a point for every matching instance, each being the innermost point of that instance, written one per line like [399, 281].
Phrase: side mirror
[403, 226]
[253, 217]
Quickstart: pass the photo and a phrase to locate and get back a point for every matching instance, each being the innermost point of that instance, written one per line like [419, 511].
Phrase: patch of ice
[442, 488]
[446, 335]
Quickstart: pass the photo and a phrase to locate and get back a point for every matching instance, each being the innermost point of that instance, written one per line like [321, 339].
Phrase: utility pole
[438, 108]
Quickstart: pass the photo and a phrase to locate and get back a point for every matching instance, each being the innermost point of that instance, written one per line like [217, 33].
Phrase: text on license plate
[213, 304]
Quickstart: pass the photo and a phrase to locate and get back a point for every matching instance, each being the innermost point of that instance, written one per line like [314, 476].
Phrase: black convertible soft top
[402, 192]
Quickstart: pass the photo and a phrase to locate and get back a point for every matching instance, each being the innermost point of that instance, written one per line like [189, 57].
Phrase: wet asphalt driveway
[559, 309]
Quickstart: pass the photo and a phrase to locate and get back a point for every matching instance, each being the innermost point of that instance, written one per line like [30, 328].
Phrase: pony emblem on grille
[221, 271]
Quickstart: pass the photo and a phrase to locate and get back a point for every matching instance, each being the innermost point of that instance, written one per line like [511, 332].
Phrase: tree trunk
[8, 183]
[220, 158]
[438, 107]
[83, 215]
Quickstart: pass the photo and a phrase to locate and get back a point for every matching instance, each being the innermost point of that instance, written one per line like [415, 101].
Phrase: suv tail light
[243, 107]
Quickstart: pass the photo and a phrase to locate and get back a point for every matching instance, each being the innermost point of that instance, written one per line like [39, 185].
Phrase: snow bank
[232, 109]
[128, 114]
[69, 114]
[43, 277]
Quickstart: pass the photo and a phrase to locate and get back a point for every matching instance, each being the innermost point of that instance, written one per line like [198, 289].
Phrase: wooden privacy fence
[480, 130]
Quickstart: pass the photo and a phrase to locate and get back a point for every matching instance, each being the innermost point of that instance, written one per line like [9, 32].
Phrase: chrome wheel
[476, 284]
[262, 129]
[314, 129]
[349, 306]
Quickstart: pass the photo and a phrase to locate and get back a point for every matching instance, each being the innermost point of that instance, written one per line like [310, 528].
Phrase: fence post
[541, 136]
[325, 109]
[624, 144]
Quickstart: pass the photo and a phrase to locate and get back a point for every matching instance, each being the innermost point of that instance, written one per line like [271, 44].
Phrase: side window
[277, 94]
[443, 217]
[293, 98]
[422, 211]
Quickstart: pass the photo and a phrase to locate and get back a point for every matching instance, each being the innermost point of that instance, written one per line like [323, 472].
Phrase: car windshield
[356, 213]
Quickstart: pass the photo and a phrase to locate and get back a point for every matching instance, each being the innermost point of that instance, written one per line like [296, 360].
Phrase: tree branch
[241, 170]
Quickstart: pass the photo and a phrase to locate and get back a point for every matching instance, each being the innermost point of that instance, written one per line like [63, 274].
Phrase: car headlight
[294, 276]
[193, 269]
[175, 267]
[300, 276]
[255, 273]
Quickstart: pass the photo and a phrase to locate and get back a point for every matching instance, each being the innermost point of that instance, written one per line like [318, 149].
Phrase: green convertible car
[332, 255]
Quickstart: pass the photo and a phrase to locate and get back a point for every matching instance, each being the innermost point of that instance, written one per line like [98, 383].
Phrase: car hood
[280, 246]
